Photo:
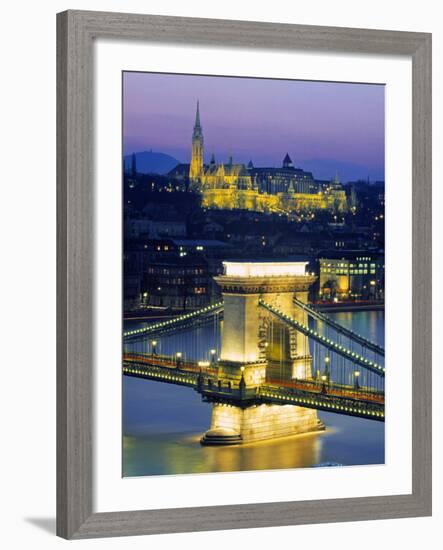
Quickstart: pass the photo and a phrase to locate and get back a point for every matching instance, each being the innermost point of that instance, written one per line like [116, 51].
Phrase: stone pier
[234, 425]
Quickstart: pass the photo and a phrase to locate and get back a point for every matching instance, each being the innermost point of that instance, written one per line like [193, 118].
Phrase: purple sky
[256, 119]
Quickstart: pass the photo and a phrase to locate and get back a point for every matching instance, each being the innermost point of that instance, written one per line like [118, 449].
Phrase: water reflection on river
[162, 425]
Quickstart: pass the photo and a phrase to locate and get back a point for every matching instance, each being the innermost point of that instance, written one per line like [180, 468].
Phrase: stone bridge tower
[246, 340]
[256, 347]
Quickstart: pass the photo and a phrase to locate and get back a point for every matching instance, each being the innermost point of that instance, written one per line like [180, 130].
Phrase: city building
[351, 275]
[179, 283]
[173, 273]
[161, 273]
[284, 179]
[131, 291]
[231, 186]
[139, 227]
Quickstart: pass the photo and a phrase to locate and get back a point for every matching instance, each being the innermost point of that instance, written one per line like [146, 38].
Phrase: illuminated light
[256, 269]
[213, 352]
[178, 354]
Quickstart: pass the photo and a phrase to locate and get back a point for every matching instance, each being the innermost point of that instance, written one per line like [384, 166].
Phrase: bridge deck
[341, 399]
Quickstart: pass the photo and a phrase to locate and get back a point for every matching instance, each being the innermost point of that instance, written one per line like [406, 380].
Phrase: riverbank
[349, 306]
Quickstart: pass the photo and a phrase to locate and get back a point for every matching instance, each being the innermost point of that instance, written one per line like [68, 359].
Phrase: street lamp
[356, 376]
[178, 358]
[326, 371]
[324, 379]
[213, 352]
[154, 347]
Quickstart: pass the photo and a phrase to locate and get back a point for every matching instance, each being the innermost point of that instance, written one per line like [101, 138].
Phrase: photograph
[253, 330]
[224, 215]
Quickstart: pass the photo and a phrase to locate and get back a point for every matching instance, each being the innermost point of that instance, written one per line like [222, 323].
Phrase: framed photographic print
[244, 279]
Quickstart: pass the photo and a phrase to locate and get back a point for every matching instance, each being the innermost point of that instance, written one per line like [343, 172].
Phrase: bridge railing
[168, 362]
[330, 388]
[350, 404]
[331, 403]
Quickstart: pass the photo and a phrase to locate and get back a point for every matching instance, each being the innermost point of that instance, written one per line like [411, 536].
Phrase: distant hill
[150, 162]
[347, 171]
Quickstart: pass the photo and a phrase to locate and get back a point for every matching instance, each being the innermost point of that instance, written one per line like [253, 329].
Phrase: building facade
[351, 275]
[176, 283]
[237, 186]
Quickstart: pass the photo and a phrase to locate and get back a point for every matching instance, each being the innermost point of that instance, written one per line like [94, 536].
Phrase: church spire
[287, 162]
[196, 167]
[197, 116]
[198, 132]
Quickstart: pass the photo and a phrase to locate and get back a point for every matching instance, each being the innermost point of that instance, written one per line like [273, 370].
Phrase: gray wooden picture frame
[76, 32]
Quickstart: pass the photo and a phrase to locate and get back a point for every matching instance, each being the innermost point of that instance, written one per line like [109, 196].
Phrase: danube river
[162, 423]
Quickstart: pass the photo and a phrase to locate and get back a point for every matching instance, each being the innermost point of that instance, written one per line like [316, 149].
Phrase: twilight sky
[320, 124]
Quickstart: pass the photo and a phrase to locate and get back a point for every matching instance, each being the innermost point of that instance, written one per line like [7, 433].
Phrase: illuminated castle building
[230, 186]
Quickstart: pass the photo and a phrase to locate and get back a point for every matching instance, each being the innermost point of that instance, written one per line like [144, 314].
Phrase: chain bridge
[263, 357]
